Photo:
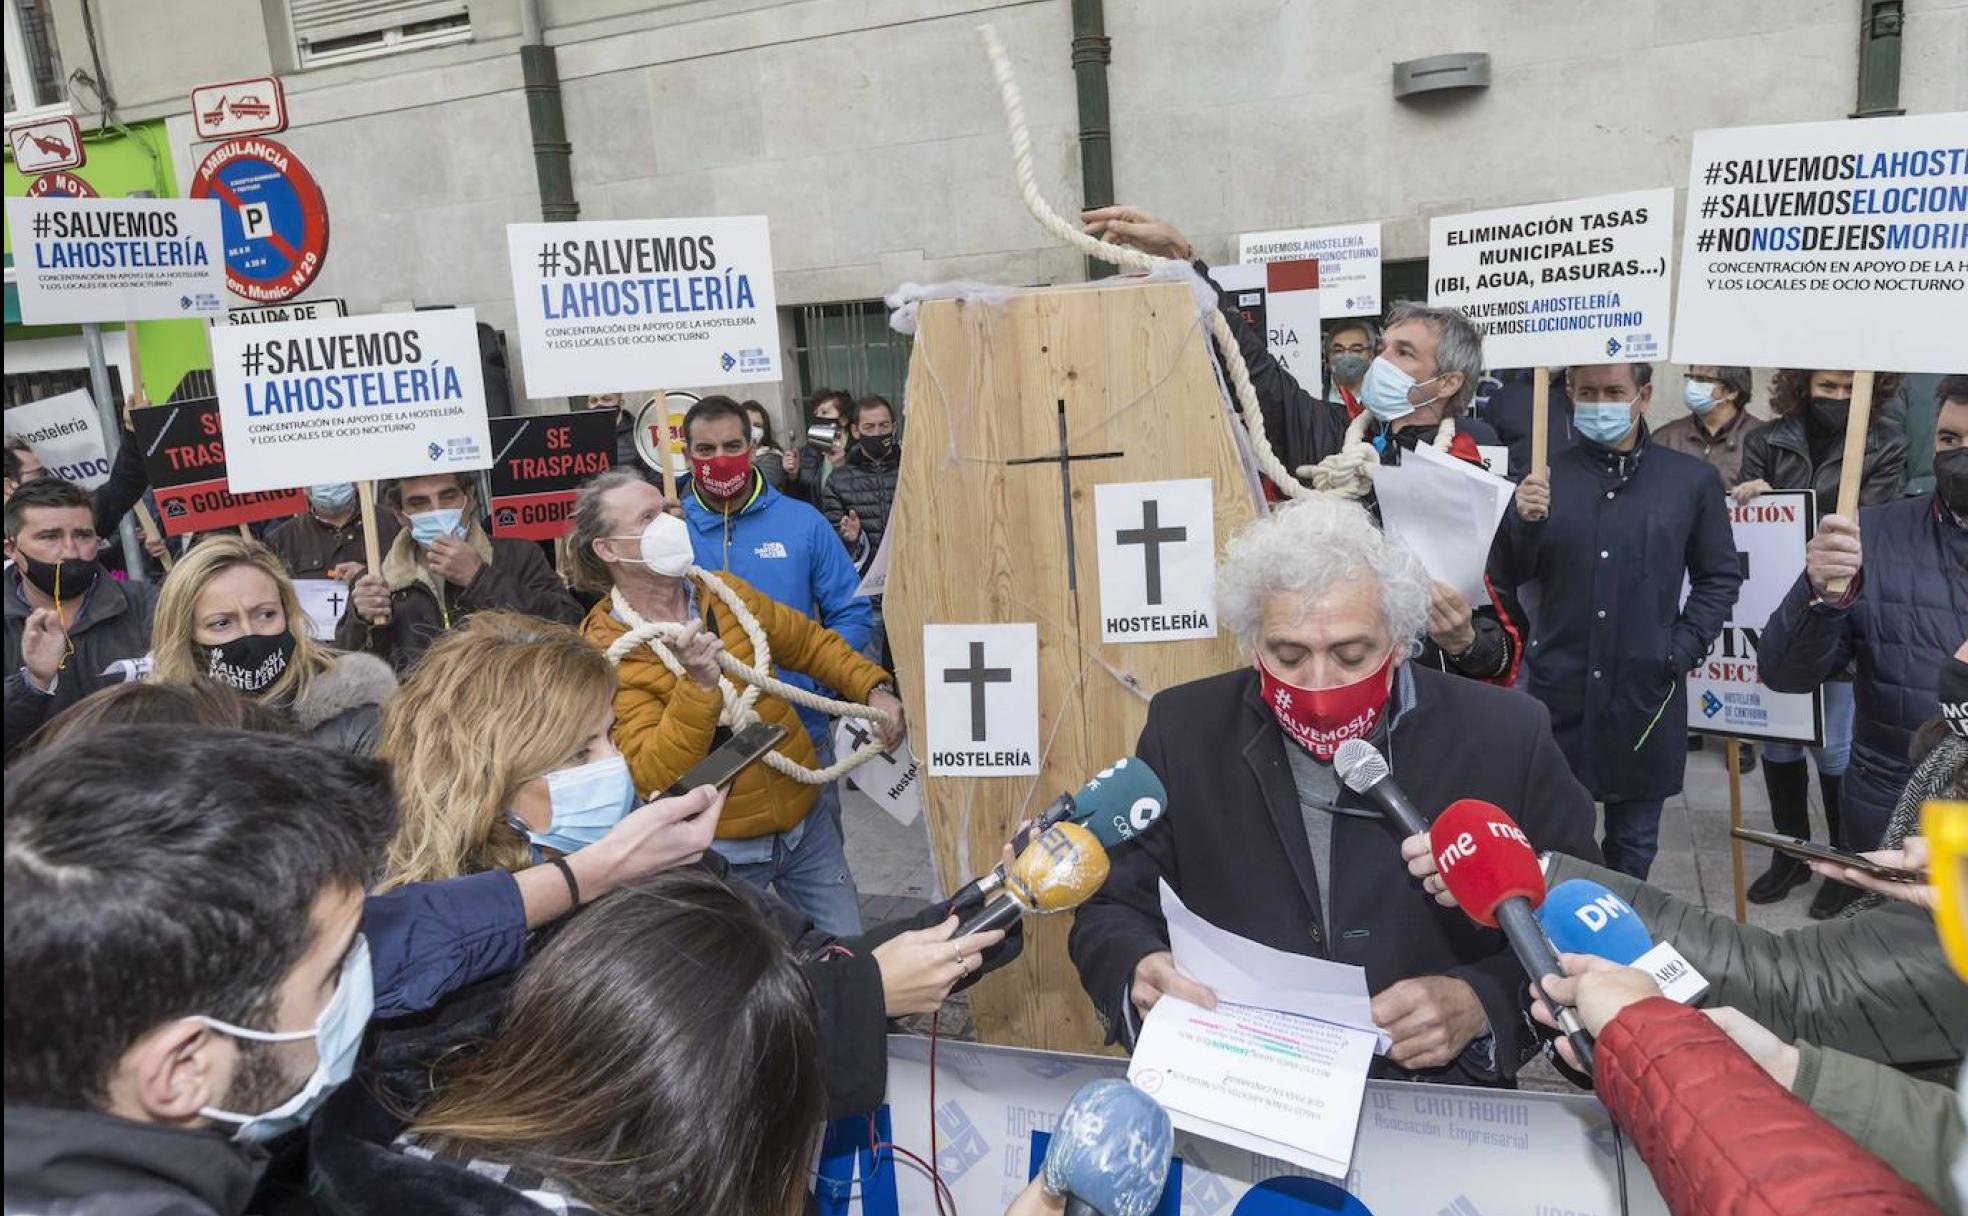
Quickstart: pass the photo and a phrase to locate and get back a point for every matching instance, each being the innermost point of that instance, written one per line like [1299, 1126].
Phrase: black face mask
[63, 580]
[250, 663]
[876, 447]
[1829, 412]
[1954, 695]
[1951, 480]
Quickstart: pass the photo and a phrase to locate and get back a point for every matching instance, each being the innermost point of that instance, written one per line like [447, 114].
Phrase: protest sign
[981, 693]
[351, 398]
[538, 462]
[1579, 281]
[66, 433]
[184, 453]
[1348, 257]
[323, 600]
[1281, 301]
[612, 304]
[1725, 696]
[116, 259]
[1487, 1150]
[890, 778]
[1157, 549]
[1828, 244]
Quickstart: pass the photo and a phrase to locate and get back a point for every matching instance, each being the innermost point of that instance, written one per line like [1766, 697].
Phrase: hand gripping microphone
[1486, 862]
[1364, 771]
[1115, 804]
[1583, 917]
[1110, 1154]
[1060, 870]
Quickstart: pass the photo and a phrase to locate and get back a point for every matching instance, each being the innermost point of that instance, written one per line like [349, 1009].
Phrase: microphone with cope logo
[1487, 863]
[1110, 1154]
[1115, 805]
[1059, 870]
[1583, 917]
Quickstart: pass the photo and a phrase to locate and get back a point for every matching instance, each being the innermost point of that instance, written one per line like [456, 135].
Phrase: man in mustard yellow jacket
[626, 547]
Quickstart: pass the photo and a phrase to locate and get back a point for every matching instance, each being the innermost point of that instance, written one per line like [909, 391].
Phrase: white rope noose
[738, 711]
[1342, 474]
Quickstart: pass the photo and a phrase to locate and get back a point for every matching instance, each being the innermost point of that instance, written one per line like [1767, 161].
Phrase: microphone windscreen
[1359, 764]
[1111, 1149]
[1484, 858]
[1583, 917]
[1120, 802]
[1060, 870]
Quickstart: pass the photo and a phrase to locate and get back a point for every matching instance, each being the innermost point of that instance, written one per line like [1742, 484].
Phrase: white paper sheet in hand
[1226, 1073]
[1446, 510]
[1252, 973]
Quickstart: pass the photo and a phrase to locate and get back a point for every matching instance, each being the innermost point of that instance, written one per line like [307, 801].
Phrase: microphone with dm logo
[1583, 917]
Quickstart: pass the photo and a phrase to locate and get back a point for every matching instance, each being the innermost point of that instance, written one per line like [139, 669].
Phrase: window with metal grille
[849, 346]
[335, 31]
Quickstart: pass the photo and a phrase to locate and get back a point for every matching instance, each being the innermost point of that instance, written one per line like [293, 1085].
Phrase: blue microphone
[1110, 1154]
[1583, 917]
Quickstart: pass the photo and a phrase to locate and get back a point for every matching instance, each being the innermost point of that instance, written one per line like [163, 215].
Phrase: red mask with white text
[723, 476]
[1320, 719]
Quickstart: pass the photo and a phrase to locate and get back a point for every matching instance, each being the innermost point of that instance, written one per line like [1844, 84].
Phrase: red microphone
[1487, 863]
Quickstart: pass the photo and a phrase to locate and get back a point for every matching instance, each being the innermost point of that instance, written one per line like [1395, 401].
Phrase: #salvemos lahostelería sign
[116, 259]
[620, 305]
[351, 398]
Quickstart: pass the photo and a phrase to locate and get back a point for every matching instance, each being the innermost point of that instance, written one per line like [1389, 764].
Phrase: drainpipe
[1091, 53]
[553, 155]
[1881, 23]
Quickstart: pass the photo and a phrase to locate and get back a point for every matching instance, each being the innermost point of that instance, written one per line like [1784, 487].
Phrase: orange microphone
[1058, 871]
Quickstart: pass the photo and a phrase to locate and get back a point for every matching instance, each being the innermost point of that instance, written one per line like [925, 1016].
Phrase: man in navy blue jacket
[1904, 611]
[1600, 544]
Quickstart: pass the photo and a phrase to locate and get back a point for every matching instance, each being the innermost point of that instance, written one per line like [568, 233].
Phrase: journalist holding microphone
[1263, 841]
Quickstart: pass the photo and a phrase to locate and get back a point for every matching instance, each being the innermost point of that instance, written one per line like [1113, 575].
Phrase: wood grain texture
[977, 540]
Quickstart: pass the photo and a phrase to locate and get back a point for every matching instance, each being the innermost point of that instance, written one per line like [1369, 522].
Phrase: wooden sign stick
[366, 494]
[1540, 423]
[1736, 821]
[147, 524]
[1858, 419]
[663, 470]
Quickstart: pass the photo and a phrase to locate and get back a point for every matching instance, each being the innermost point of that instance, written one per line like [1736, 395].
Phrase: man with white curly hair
[1261, 838]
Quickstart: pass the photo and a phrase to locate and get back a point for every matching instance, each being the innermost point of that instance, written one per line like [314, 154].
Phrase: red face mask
[1320, 719]
[723, 476]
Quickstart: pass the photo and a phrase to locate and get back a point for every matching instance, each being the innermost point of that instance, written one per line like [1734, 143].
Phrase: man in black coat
[1600, 544]
[1261, 839]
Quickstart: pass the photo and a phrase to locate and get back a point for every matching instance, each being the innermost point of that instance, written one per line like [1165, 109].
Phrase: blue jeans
[1837, 749]
[1632, 835]
[807, 866]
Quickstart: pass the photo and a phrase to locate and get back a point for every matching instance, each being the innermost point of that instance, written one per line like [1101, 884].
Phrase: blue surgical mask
[1603, 422]
[332, 497]
[427, 526]
[587, 803]
[337, 1035]
[1384, 390]
[1700, 397]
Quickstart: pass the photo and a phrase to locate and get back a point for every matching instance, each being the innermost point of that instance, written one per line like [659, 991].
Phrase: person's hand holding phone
[1911, 855]
[660, 835]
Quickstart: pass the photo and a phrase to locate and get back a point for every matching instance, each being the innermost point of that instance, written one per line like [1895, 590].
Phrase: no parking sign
[276, 221]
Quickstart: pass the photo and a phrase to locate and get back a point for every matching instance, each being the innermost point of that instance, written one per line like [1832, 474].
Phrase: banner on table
[66, 433]
[1725, 696]
[1486, 1150]
[1348, 257]
[1551, 284]
[1281, 301]
[539, 462]
[609, 305]
[184, 453]
[1827, 244]
[117, 259]
[351, 398]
